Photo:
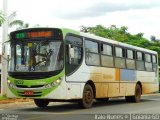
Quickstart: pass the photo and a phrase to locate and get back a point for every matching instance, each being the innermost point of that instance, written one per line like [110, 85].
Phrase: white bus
[53, 64]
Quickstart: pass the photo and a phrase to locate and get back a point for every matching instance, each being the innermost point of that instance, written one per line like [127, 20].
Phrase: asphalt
[149, 105]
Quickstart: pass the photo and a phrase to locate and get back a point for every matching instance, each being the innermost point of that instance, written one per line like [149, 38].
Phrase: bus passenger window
[106, 56]
[129, 54]
[148, 58]
[120, 57]
[154, 62]
[91, 53]
[130, 62]
[148, 64]
[140, 61]
[107, 50]
[118, 52]
[139, 56]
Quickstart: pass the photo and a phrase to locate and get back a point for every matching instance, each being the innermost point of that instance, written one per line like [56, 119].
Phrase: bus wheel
[137, 96]
[41, 102]
[138, 91]
[88, 97]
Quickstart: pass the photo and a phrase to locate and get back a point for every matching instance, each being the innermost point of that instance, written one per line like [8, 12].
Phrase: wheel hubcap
[88, 96]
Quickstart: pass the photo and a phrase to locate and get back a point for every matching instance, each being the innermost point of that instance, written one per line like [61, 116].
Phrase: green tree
[140, 35]
[14, 22]
[153, 38]
[121, 34]
[84, 29]
[123, 29]
[18, 23]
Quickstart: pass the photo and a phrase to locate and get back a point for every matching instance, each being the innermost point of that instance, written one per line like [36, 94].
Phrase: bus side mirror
[71, 53]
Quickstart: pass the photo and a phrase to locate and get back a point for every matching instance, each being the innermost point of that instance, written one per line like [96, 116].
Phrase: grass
[2, 98]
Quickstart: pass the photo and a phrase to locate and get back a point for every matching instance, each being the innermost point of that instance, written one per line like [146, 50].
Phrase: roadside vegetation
[2, 98]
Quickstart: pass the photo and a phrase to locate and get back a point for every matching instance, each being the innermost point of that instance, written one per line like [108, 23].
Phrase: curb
[152, 94]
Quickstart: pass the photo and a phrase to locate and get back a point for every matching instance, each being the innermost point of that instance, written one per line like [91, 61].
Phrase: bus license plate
[28, 92]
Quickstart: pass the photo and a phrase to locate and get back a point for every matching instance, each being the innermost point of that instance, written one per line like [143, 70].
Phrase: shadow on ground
[67, 107]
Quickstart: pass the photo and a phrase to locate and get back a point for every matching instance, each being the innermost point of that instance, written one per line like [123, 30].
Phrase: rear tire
[41, 102]
[88, 96]
[137, 95]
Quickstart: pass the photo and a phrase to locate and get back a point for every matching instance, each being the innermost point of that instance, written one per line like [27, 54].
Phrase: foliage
[2, 98]
[18, 23]
[1, 18]
[121, 34]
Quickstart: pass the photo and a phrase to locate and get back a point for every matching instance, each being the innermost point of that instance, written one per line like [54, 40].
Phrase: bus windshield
[36, 56]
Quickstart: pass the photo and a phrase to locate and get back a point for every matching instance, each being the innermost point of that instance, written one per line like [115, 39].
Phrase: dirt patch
[5, 101]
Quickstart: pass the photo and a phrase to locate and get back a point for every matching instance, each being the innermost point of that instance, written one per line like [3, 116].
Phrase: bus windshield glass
[36, 56]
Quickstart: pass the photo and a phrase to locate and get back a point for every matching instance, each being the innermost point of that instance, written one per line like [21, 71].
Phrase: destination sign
[37, 33]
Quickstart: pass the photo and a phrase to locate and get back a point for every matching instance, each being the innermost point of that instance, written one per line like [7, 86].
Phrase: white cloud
[138, 15]
[100, 8]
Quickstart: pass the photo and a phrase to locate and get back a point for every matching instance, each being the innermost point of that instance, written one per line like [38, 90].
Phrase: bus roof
[92, 36]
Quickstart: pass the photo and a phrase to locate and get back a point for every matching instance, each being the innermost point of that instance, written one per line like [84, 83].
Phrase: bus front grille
[25, 86]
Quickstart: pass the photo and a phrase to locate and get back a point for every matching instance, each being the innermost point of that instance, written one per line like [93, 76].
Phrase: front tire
[88, 97]
[41, 102]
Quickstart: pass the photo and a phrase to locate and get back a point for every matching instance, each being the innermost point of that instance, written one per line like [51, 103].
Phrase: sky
[138, 15]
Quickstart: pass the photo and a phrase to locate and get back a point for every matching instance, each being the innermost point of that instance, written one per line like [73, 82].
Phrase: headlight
[53, 84]
[8, 81]
[11, 84]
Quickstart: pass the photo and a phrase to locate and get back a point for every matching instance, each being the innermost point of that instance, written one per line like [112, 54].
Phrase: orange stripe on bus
[117, 74]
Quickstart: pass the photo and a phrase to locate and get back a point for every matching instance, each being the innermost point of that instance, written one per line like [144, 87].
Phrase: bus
[60, 64]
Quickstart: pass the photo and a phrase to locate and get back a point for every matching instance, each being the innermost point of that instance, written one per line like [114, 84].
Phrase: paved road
[71, 111]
